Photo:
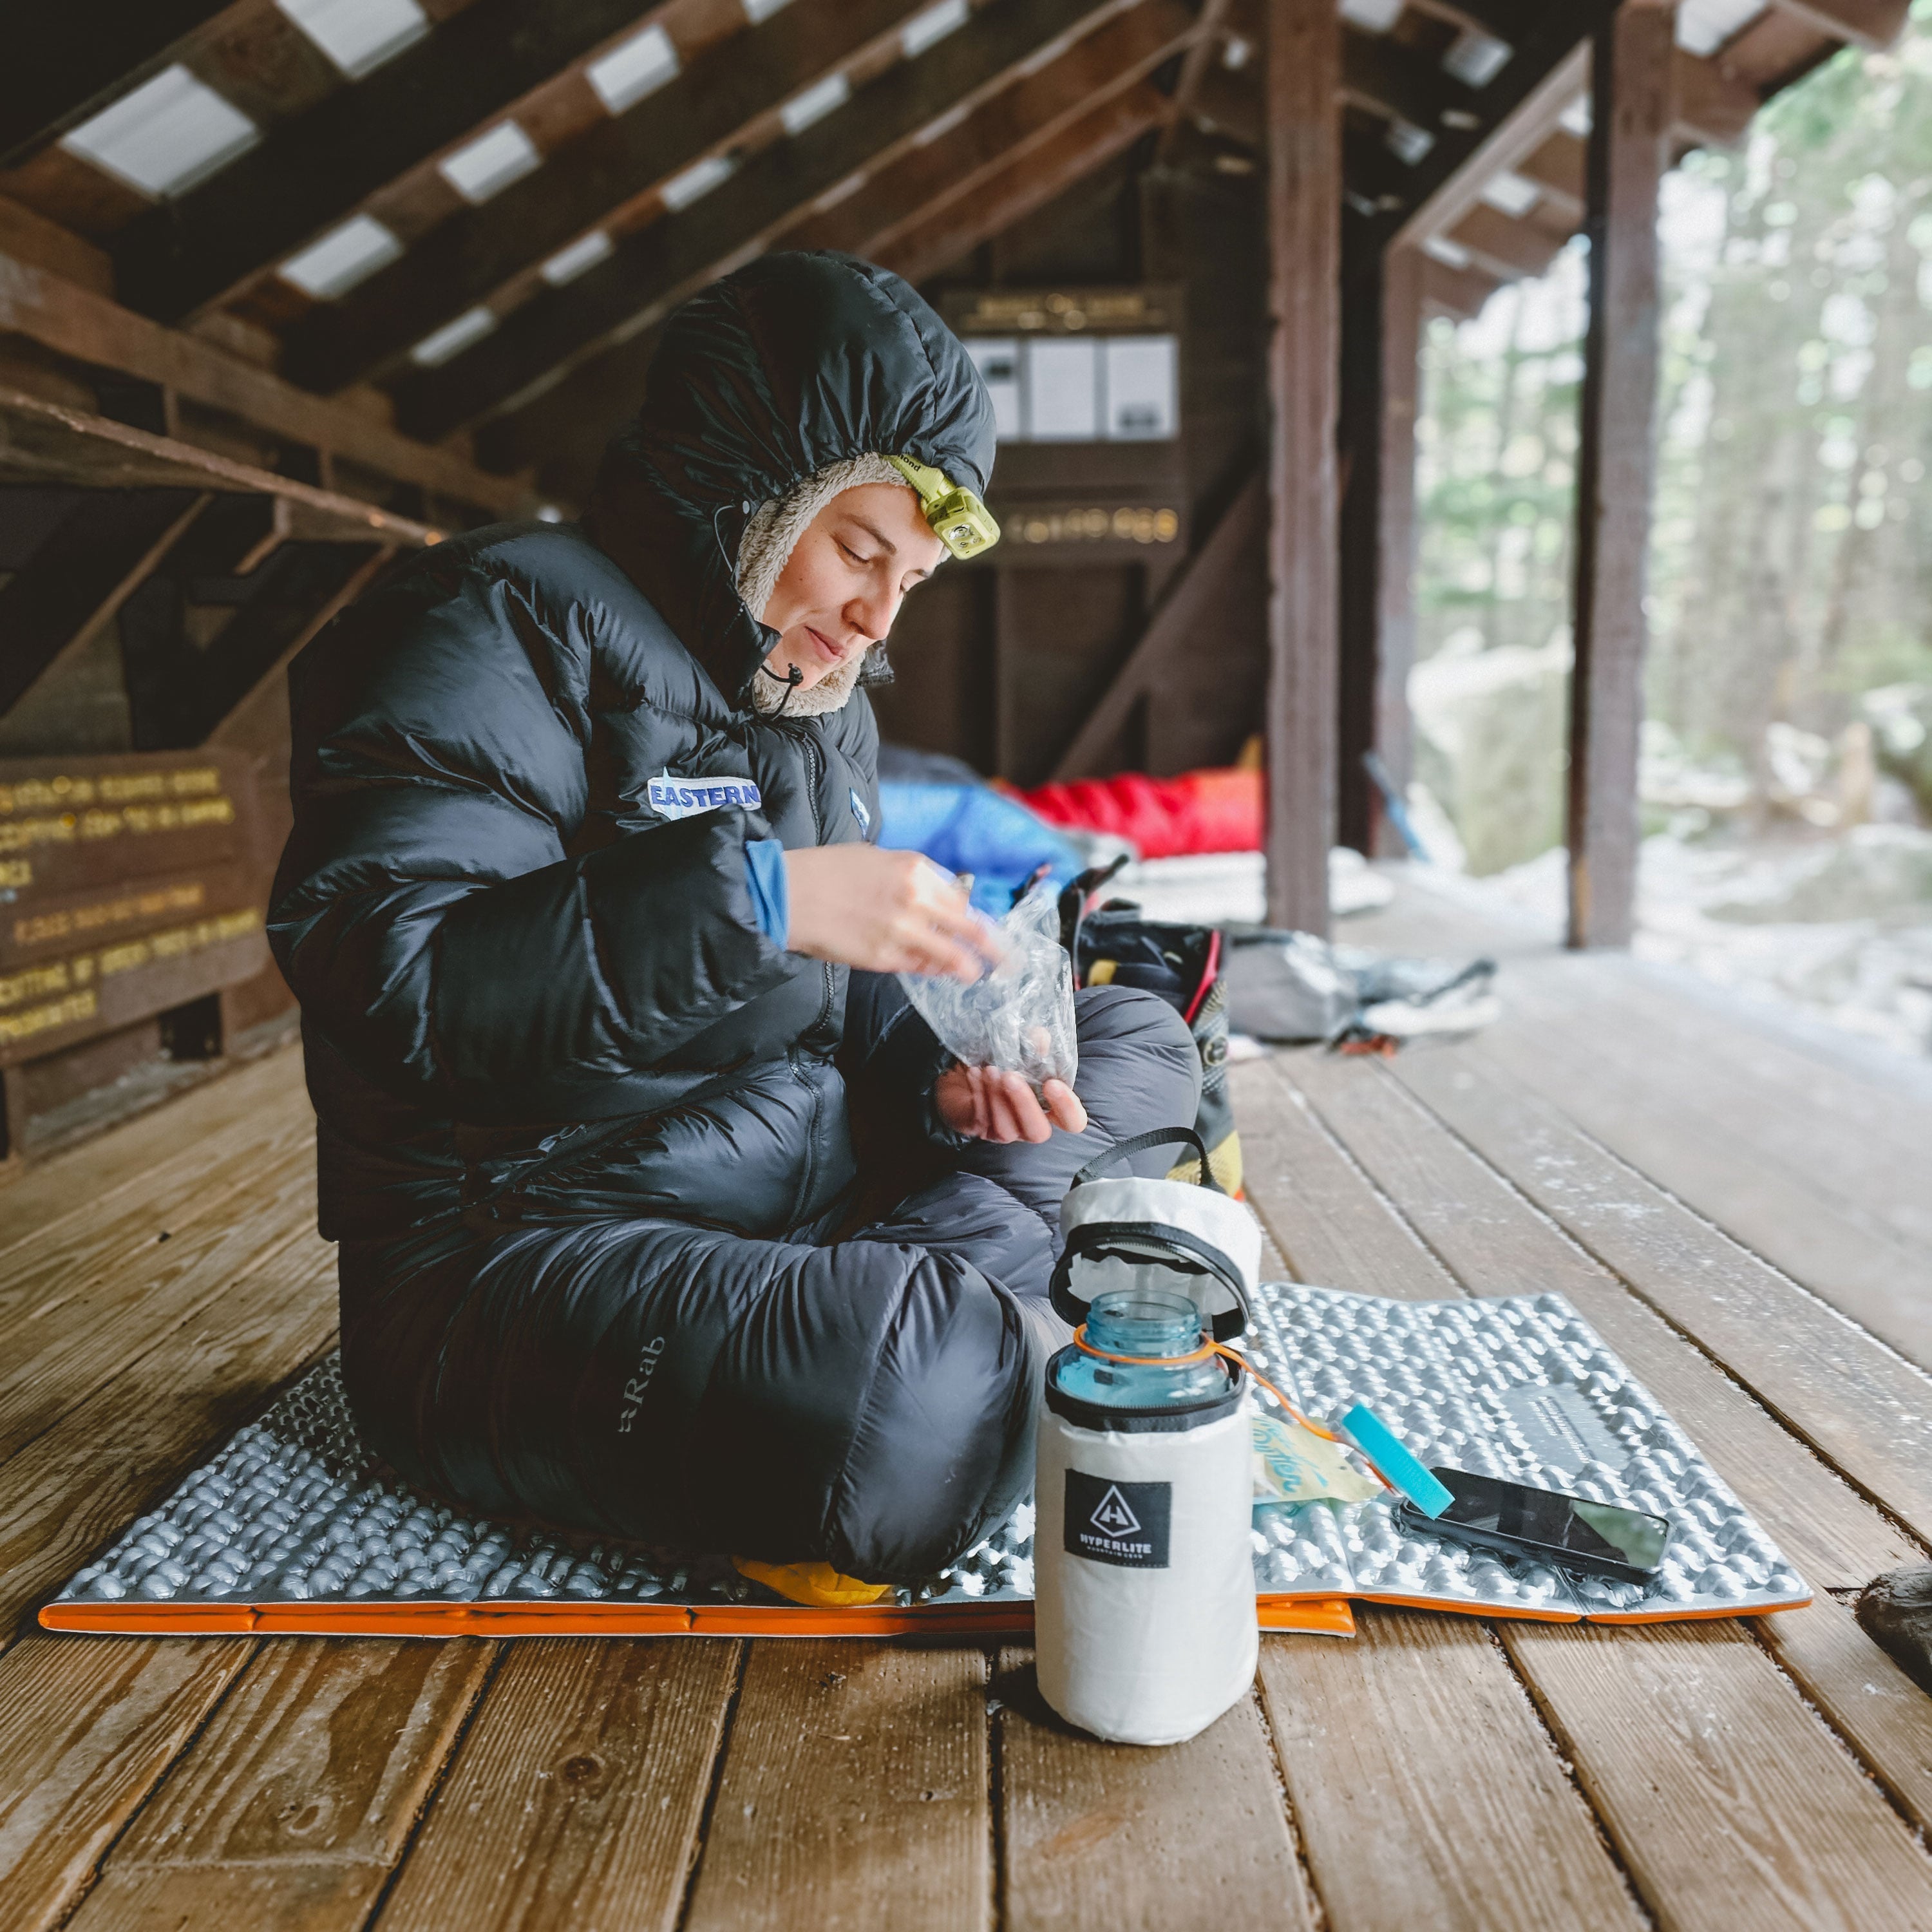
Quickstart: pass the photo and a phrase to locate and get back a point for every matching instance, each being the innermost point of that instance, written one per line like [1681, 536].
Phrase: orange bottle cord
[1210, 1348]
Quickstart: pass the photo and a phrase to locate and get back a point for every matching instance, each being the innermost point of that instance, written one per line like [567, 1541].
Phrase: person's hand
[887, 912]
[984, 1104]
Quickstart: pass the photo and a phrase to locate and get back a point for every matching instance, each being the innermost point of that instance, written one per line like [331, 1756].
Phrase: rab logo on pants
[1122, 1523]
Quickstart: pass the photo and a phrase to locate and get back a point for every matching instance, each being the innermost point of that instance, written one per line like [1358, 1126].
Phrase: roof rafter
[311, 172]
[468, 258]
[1012, 193]
[87, 328]
[652, 269]
[76, 58]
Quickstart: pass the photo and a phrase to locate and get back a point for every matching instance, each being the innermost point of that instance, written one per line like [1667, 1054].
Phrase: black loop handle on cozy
[1101, 1241]
[1142, 1144]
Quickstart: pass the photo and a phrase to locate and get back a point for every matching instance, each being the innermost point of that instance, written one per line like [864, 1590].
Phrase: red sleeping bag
[1218, 810]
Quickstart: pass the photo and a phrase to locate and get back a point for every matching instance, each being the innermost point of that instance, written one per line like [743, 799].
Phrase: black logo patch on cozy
[1125, 1523]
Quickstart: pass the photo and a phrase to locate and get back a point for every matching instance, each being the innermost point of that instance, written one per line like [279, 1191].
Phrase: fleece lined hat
[764, 385]
[766, 548]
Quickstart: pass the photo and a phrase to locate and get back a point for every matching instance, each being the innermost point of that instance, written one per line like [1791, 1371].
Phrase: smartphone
[1567, 1532]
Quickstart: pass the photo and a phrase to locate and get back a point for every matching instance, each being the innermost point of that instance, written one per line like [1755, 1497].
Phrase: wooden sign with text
[129, 884]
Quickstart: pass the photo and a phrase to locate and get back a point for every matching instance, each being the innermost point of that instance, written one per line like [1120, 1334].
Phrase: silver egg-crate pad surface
[295, 1514]
[1521, 1388]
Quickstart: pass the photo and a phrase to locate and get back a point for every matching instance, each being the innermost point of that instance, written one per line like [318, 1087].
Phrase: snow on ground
[1838, 929]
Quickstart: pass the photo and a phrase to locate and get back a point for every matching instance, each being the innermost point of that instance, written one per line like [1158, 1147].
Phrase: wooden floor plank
[1115, 1838]
[855, 1792]
[1871, 1702]
[83, 1481]
[87, 1727]
[1845, 1208]
[163, 1149]
[575, 1798]
[95, 1319]
[294, 1805]
[1495, 1243]
[1427, 1792]
[1730, 1804]
[1861, 1407]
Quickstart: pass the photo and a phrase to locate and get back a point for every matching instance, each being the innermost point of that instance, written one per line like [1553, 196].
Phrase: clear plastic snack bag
[1019, 1017]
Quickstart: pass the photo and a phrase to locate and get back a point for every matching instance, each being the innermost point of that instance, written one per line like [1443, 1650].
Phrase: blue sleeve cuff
[765, 875]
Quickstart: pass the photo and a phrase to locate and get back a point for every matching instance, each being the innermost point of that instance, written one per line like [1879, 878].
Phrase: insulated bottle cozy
[1145, 1623]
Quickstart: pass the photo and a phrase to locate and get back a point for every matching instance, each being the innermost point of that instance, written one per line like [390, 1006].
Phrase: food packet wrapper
[1293, 1465]
[1019, 1017]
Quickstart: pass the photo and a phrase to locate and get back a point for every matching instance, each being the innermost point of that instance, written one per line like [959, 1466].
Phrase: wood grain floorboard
[60, 1354]
[294, 1805]
[1861, 1407]
[1488, 1241]
[1101, 1837]
[1731, 1805]
[855, 1792]
[76, 1487]
[1818, 1198]
[1871, 1703]
[1418, 1736]
[162, 1148]
[574, 1800]
[88, 1725]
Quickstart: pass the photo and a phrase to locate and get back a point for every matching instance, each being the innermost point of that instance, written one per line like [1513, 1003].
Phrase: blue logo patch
[859, 812]
[685, 798]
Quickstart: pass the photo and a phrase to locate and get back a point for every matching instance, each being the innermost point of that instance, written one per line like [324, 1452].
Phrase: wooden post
[1632, 108]
[1402, 314]
[1304, 208]
[1359, 446]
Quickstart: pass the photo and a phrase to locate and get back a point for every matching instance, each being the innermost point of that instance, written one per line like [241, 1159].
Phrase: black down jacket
[534, 1009]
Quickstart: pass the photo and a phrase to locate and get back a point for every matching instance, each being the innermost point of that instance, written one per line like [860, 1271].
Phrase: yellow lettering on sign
[34, 982]
[15, 874]
[28, 833]
[38, 929]
[179, 942]
[69, 1011]
[64, 794]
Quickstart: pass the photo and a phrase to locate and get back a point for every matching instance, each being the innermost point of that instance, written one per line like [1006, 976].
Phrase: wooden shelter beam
[469, 258]
[1047, 130]
[1457, 292]
[1173, 632]
[1403, 278]
[1303, 71]
[650, 271]
[1713, 105]
[921, 183]
[75, 58]
[98, 557]
[88, 329]
[1013, 192]
[1632, 84]
[1510, 246]
[1871, 24]
[1558, 170]
[310, 172]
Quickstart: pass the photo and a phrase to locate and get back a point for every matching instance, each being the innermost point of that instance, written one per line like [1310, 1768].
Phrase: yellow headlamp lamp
[959, 520]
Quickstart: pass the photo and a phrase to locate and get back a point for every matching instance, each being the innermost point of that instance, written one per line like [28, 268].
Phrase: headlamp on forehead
[959, 520]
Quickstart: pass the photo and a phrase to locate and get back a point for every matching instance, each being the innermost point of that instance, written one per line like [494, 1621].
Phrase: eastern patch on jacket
[684, 798]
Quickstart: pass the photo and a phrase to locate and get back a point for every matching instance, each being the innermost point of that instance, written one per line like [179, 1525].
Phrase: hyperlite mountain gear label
[1123, 1523]
[685, 798]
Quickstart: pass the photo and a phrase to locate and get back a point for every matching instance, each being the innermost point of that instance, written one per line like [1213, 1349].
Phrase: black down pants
[868, 1401]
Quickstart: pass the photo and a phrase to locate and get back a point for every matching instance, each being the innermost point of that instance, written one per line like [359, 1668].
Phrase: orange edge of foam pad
[1329, 1616]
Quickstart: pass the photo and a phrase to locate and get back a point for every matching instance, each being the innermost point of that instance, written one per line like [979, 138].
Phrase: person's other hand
[887, 912]
[984, 1104]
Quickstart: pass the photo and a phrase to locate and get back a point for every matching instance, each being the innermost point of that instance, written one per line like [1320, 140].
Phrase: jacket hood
[795, 361]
